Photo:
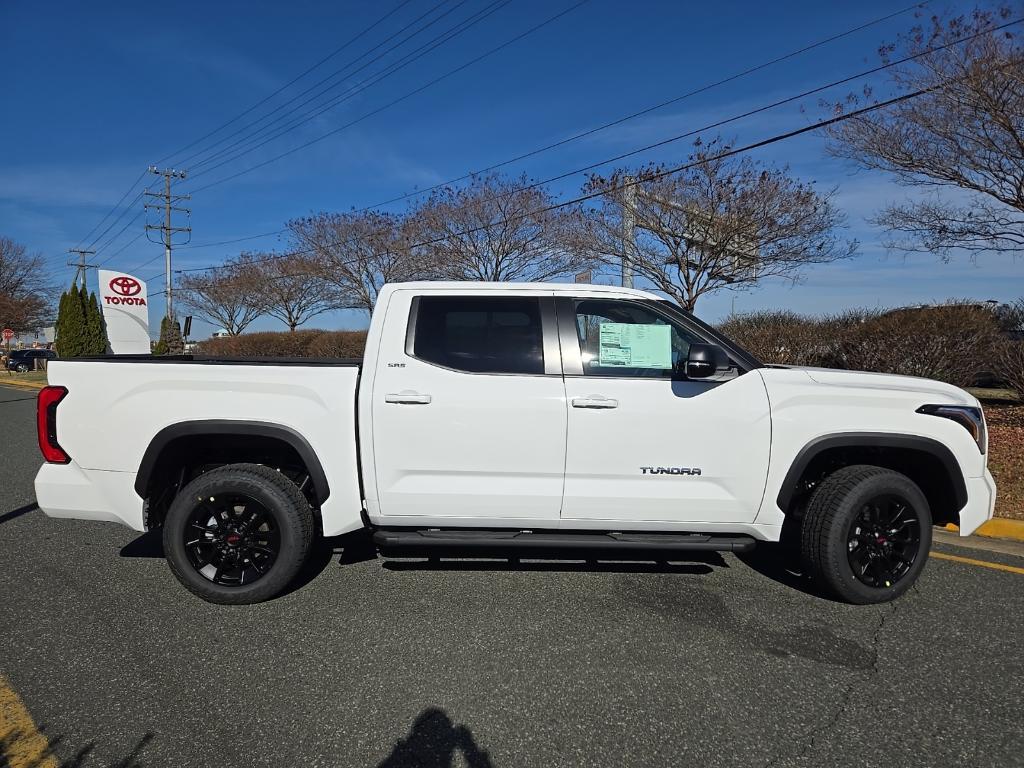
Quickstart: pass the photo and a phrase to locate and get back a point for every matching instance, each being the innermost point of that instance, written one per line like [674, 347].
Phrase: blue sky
[96, 92]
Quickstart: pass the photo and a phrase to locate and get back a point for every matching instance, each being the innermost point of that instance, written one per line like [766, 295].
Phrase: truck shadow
[433, 742]
[349, 548]
[780, 564]
[6, 517]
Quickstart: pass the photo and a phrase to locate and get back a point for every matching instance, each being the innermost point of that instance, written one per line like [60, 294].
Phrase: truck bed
[117, 405]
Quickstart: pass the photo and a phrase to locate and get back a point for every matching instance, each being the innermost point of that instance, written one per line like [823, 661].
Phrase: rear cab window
[480, 334]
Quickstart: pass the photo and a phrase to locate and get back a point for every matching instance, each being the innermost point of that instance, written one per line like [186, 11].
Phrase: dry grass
[37, 378]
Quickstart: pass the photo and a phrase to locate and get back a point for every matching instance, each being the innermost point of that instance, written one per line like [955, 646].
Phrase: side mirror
[705, 360]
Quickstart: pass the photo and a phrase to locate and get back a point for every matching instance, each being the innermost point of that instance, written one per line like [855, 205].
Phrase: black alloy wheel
[865, 534]
[238, 534]
[231, 539]
[884, 541]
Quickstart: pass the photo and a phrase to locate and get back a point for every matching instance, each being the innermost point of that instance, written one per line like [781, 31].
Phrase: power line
[483, 170]
[724, 154]
[228, 123]
[116, 253]
[137, 267]
[592, 131]
[111, 211]
[121, 231]
[647, 110]
[400, 99]
[652, 176]
[320, 82]
[254, 142]
[751, 112]
[291, 82]
[113, 223]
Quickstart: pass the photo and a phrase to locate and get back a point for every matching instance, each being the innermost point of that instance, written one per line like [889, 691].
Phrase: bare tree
[229, 296]
[496, 229]
[721, 223]
[357, 253]
[26, 294]
[965, 133]
[290, 288]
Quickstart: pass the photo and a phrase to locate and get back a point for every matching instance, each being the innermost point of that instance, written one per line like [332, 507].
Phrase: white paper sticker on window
[632, 345]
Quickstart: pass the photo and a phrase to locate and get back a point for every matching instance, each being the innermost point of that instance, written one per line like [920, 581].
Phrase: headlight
[969, 417]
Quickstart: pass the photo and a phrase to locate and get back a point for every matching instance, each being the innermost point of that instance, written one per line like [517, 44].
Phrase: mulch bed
[1006, 457]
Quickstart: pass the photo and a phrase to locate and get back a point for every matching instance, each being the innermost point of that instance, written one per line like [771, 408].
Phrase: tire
[238, 534]
[22, 368]
[866, 534]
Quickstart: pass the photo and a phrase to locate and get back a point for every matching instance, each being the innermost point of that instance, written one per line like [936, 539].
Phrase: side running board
[478, 541]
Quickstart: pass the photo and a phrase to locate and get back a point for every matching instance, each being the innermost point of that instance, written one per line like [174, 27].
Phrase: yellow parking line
[982, 563]
[21, 743]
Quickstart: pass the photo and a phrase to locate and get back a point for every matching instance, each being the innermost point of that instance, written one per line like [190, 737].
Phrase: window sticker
[634, 345]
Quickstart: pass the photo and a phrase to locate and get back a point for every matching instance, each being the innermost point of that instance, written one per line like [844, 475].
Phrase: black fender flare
[873, 440]
[232, 427]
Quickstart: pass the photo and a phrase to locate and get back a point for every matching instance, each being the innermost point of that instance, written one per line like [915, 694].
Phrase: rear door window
[480, 334]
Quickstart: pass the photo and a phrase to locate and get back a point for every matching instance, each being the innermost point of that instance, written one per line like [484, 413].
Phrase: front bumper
[981, 503]
[67, 490]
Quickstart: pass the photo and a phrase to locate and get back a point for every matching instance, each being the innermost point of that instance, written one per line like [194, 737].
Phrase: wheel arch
[163, 444]
[926, 461]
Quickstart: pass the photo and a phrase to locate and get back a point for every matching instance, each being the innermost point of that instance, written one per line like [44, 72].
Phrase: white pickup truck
[518, 420]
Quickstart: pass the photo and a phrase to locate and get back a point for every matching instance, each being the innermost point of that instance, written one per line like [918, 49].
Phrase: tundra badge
[670, 470]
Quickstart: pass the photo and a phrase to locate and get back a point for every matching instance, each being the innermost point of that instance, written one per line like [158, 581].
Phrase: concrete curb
[997, 528]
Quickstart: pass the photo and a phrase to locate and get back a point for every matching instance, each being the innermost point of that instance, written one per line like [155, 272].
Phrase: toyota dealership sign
[125, 312]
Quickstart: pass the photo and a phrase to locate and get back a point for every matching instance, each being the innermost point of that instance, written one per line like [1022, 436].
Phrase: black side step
[475, 541]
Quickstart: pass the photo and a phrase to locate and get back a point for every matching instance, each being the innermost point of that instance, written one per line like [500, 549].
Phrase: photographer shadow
[433, 742]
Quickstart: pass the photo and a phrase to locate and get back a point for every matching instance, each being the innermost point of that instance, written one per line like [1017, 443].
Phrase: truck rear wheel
[866, 534]
[238, 534]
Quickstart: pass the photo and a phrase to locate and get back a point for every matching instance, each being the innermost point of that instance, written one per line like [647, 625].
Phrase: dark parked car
[22, 360]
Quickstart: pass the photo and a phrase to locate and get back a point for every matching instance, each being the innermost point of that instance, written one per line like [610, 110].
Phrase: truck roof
[474, 285]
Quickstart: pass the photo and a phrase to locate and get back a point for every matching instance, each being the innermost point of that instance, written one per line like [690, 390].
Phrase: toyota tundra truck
[515, 420]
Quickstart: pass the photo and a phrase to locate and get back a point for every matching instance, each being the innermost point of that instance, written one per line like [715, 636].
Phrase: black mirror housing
[704, 360]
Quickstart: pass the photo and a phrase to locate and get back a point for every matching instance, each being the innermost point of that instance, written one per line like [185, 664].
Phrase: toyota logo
[125, 286]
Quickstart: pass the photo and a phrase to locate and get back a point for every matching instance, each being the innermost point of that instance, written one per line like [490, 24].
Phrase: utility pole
[80, 265]
[166, 229]
[628, 229]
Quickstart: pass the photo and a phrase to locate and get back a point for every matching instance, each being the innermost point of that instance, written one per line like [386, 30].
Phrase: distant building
[41, 336]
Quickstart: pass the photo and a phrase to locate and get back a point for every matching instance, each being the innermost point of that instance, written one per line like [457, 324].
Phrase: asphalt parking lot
[705, 662]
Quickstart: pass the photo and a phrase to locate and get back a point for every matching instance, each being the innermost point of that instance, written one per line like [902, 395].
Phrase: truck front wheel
[866, 534]
[238, 534]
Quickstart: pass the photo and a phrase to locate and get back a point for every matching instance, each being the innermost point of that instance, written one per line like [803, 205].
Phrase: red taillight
[46, 424]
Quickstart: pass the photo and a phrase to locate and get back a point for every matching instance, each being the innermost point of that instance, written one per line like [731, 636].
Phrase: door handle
[595, 401]
[407, 398]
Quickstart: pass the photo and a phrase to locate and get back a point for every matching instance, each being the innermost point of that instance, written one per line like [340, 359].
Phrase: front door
[643, 443]
[469, 411]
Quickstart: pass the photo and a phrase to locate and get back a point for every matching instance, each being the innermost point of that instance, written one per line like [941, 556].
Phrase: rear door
[644, 443]
[469, 416]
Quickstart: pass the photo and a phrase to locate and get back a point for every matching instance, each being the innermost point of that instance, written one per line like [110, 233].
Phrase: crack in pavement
[846, 697]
